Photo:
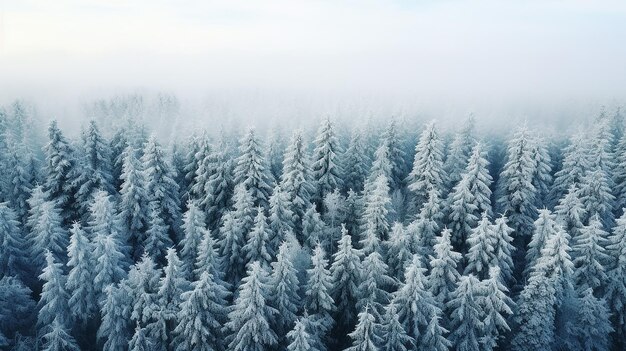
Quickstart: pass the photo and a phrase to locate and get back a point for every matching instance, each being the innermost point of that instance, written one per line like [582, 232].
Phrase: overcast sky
[451, 51]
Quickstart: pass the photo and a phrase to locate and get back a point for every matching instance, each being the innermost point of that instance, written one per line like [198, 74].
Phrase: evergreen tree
[252, 170]
[318, 302]
[202, 168]
[616, 288]
[208, 260]
[595, 194]
[394, 337]
[14, 254]
[467, 315]
[376, 209]
[251, 316]
[53, 302]
[415, 304]
[428, 172]
[171, 287]
[17, 308]
[366, 336]
[115, 326]
[576, 163]
[482, 251]
[503, 249]
[434, 338]
[571, 212]
[48, 234]
[36, 199]
[80, 280]
[398, 250]
[194, 230]
[444, 275]
[219, 188]
[313, 227]
[157, 239]
[143, 285]
[296, 179]
[346, 272]
[281, 220]
[59, 172]
[542, 177]
[592, 324]
[109, 263]
[58, 337]
[202, 313]
[299, 339]
[118, 144]
[518, 198]
[326, 170]
[428, 223]
[545, 227]
[140, 341]
[471, 195]
[460, 150]
[257, 246]
[162, 190]
[237, 224]
[95, 167]
[495, 305]
[20, 181]
[396, 155]
[375, 284]
[284, 294]
[590, 257]
[355, 163]
[133, 201]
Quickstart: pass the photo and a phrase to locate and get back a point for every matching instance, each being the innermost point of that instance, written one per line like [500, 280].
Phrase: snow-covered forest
[377, 236]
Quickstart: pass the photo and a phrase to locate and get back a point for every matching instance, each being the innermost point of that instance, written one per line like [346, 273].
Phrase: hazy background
[278, 60]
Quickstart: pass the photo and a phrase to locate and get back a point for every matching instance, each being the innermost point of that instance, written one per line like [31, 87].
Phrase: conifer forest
[385, 236]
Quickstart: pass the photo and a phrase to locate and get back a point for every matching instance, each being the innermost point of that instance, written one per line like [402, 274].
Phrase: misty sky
[450, 51]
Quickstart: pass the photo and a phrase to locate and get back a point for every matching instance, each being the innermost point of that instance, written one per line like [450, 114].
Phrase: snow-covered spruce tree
[398, 248]
[415, 304]
[36, 199]
[80, 279]
[503, 249]
[251, 316]
[194, 231]
[428, 172]
[281, 220]
[169, 295]
[467, 321]
[595, 194]
[394, 141]
[619, 174]
[157, 237]
[49, 234]
[576, 163]
[201, 167]
[375, 284]
[219, 189]
[114, 332]
[353, 209]
[496, 307]
[284, 290]
[394, 337]
[593, 326]
[133, 201]
[140, 341]
[333, 215]
[542, 176]
[161, 188]
[326, 170]
[461, 149]
[313, 227]
[590, 257]
[481, 249]
[318, 302]
[471, 195]
[208, 260]
[94, 172]
[571, 212]
[203, 312]
[428, 223]
[19, 182]
[376, 209]
[355, 163]
[381, 166]
[57, 337]
[17, 306]
[346, 271]
[252, 170]
[296, 179]
[366, 335]
[142, 286]
[192, 146]
[434, 336]
[109, 263]
[518, 193]
[53, 302]
[444, 275]
[258, 241]
[14, 252]
[615, 293]
[118, 143]
[59, 172]
[299, 338]
[237, 223]
[545, 227]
